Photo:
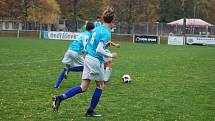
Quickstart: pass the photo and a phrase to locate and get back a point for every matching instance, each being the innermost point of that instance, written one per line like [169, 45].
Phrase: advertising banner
[145, 39]
[60, 35]
[175, 40]
[200, 41]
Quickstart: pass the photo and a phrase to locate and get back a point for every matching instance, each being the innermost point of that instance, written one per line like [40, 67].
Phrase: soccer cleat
[92, 114]
[55, 103]
[66, 70]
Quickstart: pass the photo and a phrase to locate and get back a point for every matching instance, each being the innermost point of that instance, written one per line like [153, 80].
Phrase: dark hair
[98, 17]
[89, 26]
[108, 14]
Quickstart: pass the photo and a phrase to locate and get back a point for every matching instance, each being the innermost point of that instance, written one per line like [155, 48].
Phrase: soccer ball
[126, 78]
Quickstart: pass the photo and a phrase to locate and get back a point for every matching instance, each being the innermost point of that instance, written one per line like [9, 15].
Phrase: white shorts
[72, 57]
[93, 69]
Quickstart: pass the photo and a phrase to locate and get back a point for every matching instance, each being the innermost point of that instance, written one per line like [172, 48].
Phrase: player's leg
[76, 68]
[66, 70]
[95, 100]
[70, 57]
[60, 79]
[67, 61]
[69, 93]
[98, 91]
[75, 90]
[107, 71]
[78, 62]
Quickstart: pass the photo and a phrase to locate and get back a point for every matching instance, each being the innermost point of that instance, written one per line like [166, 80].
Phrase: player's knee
[85, 85]
[108, 68]
[100, 85]
[84, 88]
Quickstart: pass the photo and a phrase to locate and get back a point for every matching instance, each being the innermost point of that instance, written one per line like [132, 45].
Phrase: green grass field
[170, 83]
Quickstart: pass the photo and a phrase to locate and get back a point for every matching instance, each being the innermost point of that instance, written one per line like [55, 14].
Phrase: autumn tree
[4, 6]
[44, 11]
[10, 9]
[66, 8]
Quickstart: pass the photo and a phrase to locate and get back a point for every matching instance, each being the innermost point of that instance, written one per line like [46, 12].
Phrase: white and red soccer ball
[126, 78]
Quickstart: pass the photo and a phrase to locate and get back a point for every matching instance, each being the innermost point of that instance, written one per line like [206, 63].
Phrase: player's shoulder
[103, 30]
[80, 36]
[84, 33]
[97, 28]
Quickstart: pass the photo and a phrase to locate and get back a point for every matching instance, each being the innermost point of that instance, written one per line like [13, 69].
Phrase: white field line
[28, 62]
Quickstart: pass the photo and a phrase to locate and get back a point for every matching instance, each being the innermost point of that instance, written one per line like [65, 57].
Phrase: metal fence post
[157, 23]
[147, 29]
[161, 29]
[119, 27]
[40, 34]
[17, 33]
[159, 39]
[133, 29]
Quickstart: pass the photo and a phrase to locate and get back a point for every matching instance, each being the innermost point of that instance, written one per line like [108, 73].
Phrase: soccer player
[93, 65]
[83, 28]
[108, 62]
[74, 54]
[97, 22]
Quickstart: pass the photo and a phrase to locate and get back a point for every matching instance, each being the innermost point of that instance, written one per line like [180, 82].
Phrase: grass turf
[169, 83]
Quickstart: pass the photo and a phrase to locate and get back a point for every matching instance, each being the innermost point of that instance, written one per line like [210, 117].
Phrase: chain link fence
[162, 29]
[121, 30]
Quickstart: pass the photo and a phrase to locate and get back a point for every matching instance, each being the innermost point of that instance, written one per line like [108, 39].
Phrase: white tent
[191, 22]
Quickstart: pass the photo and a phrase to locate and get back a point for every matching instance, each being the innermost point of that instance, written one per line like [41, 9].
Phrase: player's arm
[84, 40]
[100, 49]
[110, 43]
[115, 44]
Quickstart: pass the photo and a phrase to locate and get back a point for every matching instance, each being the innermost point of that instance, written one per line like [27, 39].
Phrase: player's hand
[117, 45]
[114, 55]
[83, 52]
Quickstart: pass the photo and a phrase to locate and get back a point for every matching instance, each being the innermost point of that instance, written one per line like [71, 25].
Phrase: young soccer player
[83, 27]
[93, 65]
[97, 22]
[74, 54]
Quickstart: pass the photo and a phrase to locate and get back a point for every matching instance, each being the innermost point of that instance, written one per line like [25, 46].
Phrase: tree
[25, 6]
[170, 10]
[44, 11]
[10, 9]
[66, 8]
[136, 11]
[212, 13]
[3, 7]
[203, 9]
[90, 14]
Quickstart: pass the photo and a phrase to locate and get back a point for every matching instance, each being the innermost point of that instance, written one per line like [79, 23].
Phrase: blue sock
[61, 77]
[76, 68]
[59, 80]
[71, 92]
[95, 99]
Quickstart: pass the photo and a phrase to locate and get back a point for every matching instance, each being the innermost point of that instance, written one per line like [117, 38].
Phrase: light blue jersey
[97, 23]
[78, 45]
[99, 34]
